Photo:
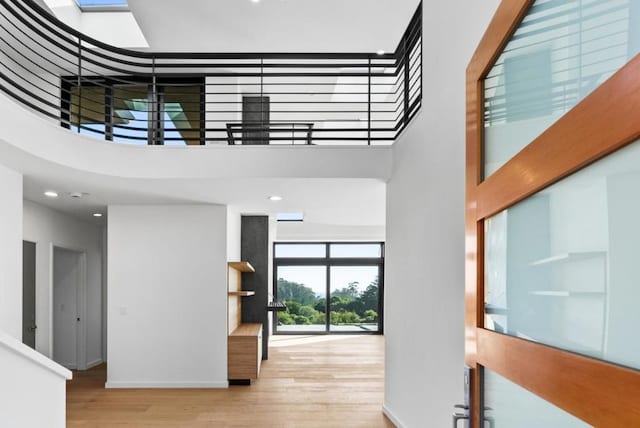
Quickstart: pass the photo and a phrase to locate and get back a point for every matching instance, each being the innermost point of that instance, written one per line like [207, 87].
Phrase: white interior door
[66, 276]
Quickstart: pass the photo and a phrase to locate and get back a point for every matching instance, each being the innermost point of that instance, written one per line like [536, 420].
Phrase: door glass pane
[303, 290]
[356, 250]
[131, 114]
[300, 250]
[559, 54]
[561, 267]
[354, 303]
[513, 406]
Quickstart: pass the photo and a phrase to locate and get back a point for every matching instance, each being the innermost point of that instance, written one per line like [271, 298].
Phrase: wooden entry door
[552, 170]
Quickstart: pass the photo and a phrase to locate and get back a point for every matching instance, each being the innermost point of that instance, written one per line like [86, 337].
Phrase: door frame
[598, 392]
[81, 303]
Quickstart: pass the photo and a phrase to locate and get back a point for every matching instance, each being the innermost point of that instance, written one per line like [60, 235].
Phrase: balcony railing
[207, 98]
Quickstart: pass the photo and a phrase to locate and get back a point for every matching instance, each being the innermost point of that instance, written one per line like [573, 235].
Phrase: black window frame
[329, 262]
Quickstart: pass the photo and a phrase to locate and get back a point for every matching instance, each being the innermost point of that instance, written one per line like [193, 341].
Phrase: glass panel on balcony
[90, 102]
[132, 114]
[561, 52]
[181, 119]
[561, 267]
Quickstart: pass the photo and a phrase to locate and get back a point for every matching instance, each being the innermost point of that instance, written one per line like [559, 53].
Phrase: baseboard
[169, 385]
[92, 364]
[392, 417]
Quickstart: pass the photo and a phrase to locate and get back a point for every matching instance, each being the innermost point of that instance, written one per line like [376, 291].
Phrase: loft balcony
[184, 99]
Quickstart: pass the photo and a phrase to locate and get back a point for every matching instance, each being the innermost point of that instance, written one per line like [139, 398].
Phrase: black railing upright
[206, 98]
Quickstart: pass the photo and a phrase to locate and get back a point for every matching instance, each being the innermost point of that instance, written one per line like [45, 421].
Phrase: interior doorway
[29, 294]
[69, 277]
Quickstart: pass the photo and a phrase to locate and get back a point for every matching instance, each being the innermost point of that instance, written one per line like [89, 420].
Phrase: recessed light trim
[275, 198]
[51, 194]
[97, 214]
[381, 52]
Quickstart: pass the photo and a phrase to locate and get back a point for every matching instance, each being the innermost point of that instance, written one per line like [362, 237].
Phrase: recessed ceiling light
[275, 198]
[380, 52]
[51, 194]
[97, 215]
[255, 1]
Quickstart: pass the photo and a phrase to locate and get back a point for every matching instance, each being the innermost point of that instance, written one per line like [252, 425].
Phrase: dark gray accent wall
[254, 249]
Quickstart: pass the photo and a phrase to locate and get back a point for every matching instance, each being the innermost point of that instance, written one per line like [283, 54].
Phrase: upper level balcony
[184, 99]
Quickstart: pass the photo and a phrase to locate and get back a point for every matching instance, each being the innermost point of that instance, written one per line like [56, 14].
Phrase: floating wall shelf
[242, 266]
[242, 293]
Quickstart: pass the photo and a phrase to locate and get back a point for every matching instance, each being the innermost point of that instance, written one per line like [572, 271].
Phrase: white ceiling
[328, 201]
[273, 25]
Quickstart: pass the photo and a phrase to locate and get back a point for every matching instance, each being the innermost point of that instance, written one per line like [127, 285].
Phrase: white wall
[424, 287]
[11, 252]
[33, 389]
[49, 228]
[294, 231]
[167, 306]
[234, 227]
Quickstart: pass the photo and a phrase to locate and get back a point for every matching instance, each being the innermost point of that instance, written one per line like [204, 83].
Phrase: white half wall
[167, 296]
[424, 286]
[48, 229]
[11, 252]
[33, 388]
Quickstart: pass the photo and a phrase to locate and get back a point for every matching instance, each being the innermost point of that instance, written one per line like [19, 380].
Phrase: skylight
[293, 216]
[94, 5]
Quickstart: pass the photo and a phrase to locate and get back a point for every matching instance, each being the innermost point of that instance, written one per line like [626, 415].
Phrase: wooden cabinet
[244, 345]
[245, 352]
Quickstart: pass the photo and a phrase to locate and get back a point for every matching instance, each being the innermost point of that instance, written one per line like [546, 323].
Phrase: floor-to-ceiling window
[328, 287]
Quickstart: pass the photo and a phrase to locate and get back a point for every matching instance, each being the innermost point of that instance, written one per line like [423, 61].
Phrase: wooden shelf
[241, 266]
[242, 293]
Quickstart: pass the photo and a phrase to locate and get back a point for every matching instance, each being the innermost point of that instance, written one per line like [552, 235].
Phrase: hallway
[308, 381]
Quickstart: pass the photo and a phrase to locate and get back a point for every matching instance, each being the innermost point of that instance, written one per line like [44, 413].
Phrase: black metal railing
[205, 98]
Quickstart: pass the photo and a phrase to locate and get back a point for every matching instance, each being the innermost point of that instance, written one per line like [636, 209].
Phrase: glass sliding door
[303, 290]
[354, 299]
[328, 288]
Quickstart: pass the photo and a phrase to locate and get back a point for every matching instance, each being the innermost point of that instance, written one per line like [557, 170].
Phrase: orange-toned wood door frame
[601, 394]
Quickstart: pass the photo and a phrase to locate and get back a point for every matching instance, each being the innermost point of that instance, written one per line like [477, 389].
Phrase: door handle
[33, 328]
[460, 416]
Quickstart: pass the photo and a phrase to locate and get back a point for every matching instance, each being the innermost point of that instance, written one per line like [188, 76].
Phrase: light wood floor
[312, 381]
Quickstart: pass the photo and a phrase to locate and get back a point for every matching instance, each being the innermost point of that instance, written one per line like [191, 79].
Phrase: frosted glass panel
[563, 266]
[560, 53]
[514, 407]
